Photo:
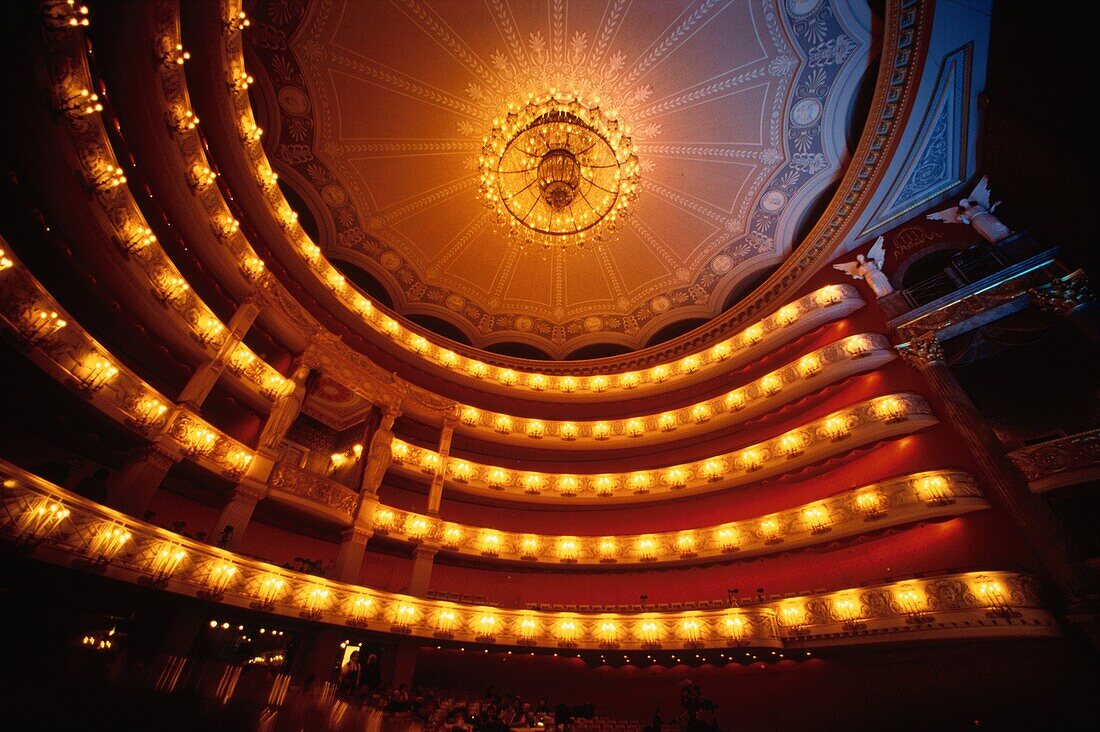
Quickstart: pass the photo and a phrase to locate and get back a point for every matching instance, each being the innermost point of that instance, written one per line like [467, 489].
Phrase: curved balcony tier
[57, 526]
[859, 424]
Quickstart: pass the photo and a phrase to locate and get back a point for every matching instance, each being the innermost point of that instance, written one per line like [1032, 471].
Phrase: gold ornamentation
[1064, 455]
[922, 350]
[558, 171]
[314, 487]
[1063, 294]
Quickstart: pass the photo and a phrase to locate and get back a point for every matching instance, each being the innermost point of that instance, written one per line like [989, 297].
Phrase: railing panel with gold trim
[57, 526]
[296, 484]
[888, 503]
[1065, 461]
[808, 373]
[61, 348]
[859, 424]
[50, 338]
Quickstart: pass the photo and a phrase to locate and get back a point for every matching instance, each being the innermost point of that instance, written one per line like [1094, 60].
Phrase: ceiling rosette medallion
[412, 128]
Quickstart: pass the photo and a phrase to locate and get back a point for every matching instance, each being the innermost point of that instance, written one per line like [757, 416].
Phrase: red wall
[280, 546]
[978, 540]
[172, 507]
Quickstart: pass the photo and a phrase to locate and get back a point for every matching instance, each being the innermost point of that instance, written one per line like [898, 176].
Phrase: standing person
[372, 672]
[350, 675]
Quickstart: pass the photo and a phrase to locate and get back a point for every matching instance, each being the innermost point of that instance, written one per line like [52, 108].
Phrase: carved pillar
[423, 560]
[1035, 519]
[131, 488]
[206, 375]
[236, 514]
[1072, 298]
[349, 557]
[283, 413]
[435, 492]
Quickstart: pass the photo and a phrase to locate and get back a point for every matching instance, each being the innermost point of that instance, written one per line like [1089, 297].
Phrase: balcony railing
[1065, 461]
[317, 489]
[966, 268]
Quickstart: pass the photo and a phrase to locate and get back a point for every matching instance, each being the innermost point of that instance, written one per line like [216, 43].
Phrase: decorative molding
[303, 484]
[937, 162]
[1056, 463]
[804, 375]
[906, 29]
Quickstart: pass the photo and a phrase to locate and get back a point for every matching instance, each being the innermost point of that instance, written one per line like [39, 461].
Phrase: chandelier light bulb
[558, 171]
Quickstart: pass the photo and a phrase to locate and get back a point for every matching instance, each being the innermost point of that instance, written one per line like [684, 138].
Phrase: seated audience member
[455, 722]
[399, 700]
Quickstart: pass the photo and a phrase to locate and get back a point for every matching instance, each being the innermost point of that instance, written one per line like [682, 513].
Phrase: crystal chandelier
[558, 171]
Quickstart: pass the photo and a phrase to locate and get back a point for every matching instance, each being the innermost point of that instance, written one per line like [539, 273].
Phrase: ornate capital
[356, 534]
[256, 297]
[921, 351]
[450, 418]
[312, 355]
[1063, 293]
[156, 454]
[425, 550]
[248, 490]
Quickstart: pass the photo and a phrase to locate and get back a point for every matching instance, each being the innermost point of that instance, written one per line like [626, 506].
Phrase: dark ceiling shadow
[519, 350]
[365, 281]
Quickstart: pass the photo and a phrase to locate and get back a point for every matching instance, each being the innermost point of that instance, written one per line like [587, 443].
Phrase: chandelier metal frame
[559, 171]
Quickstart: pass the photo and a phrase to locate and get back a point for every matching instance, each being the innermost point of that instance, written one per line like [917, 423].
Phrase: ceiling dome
[731, 115]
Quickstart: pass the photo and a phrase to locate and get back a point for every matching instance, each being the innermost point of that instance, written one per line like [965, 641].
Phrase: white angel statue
[869, 269]
[976, 211]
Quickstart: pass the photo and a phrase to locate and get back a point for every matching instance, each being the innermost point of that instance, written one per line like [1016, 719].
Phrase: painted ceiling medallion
[731, 115]
[558, 171]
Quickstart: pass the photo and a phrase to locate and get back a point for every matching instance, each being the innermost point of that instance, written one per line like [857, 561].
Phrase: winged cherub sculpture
[976, 211]
[869, 269]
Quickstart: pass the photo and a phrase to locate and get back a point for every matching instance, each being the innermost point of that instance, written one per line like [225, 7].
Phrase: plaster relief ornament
[606, 153]
[976, 211]
[869, 269]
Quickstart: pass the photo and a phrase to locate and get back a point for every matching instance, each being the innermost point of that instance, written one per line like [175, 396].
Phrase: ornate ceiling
[737, 109]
